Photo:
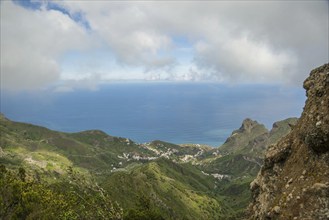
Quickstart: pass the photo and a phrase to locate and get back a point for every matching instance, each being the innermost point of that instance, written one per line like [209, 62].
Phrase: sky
[63, 46]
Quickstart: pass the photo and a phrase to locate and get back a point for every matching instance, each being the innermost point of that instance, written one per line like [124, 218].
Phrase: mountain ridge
[174, 179]
[255, 137]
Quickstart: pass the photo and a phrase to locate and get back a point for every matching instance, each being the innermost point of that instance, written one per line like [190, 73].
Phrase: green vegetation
[178, 191]
[233, 165]
[27, 197]
[88, 175]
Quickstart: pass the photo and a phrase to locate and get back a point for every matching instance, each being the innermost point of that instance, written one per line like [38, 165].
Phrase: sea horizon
[194, 113]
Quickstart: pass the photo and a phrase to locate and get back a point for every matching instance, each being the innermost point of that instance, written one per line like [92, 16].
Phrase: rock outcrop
[244, 138]
[294, 181]
[253, 138]
[248, 125]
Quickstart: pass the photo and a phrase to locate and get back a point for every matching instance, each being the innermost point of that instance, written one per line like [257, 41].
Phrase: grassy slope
[242, 141]
[177, 190]
[91, 150]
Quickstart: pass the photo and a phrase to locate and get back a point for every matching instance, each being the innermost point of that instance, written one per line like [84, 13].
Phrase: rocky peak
[248, 125]
[253, 138]
[294, 181]
[250, 134]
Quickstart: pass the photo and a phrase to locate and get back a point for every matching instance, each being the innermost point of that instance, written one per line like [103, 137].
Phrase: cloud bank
[240, 42]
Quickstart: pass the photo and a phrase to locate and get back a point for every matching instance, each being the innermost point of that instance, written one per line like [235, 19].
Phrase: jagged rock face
[315, 128]
[294, 181]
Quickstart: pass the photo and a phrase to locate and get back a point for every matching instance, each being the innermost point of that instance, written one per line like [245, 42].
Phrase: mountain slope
[294, 181]
[91, 150]
[153, 180]
[118, 165]
[242, 153]
[178, 191]
[253, 138]
[240, 139]
[236, 163]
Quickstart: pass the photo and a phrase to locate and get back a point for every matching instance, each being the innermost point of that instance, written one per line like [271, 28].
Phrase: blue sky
[68, 45]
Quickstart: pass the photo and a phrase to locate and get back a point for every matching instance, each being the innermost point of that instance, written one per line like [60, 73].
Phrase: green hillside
[128, 172]
[177, 191]
[245, 138]
[156, 180]
[236, 163]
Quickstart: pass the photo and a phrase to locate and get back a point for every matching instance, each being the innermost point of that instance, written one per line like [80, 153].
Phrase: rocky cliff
[294, 181]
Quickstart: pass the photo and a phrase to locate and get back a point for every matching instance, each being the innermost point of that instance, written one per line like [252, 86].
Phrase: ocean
[203, 113]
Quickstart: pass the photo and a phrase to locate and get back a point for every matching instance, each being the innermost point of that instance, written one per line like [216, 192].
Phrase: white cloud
[243, 41]
[252, 41]
[241, 59]
[32, 42]
[128, 29]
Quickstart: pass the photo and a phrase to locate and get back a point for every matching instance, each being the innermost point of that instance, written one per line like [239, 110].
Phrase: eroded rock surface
[294, 181]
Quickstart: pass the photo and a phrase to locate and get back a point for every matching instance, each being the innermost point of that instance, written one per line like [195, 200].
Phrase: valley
[174, 181]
